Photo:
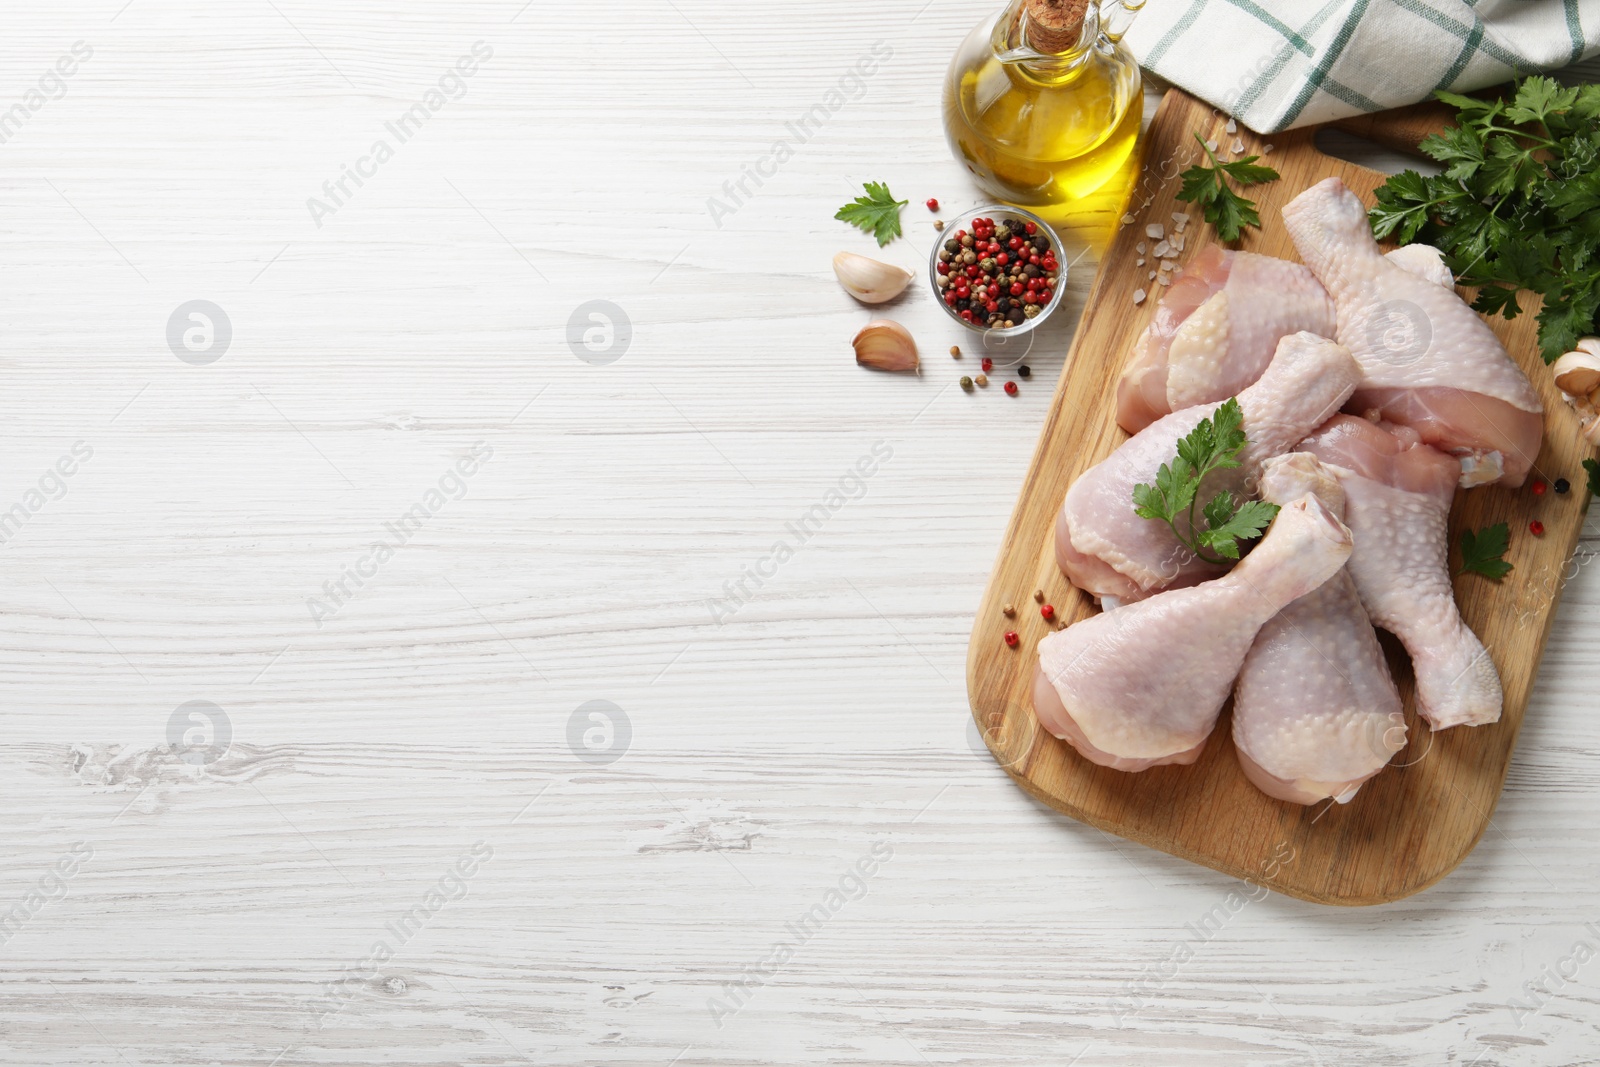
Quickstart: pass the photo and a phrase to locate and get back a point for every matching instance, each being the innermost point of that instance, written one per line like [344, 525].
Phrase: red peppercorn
[1016, 288]
[1014, 244]
[1031, 228]
[1047, 611]
[1030, 298]
[1034, 260]
[1536, 528]
[1011, 390]
[991, 306]
[1011, 638]
[962, 292]
[1033, 285]
[966, 316]
[943, 268]
[933, 205]
[1538, 488]
[950, 297]
[988, 364]
[972, 270]
[1002, 259]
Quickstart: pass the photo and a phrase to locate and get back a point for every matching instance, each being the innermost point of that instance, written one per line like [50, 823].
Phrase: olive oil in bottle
[1043, 103]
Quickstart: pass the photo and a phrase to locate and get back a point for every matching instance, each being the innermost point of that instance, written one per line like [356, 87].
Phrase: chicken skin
[1142, 685]
[1428, 360]
[1397, 502]
[1109, 551]
[1315, 712]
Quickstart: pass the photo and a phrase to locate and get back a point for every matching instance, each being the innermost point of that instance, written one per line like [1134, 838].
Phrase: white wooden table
[408, 843]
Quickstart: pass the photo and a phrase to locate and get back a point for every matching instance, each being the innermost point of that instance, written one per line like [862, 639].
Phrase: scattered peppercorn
[1011, 389]
[1538, 487]
[1562, 486]
[1024, 371]
[982, 379]
[1009, 611]
[1011, 638]
[955, 351]
[1038, 595]
[966, 383]
[1536, 528]
[1048, 612]
[933, 205]
[988, 364]
[938, 224]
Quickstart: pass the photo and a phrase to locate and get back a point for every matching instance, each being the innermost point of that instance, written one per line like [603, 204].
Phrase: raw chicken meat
[1429, 361]
[1108, 550]
[1397, 501]
[1215, 332]
[1142, 685]
[1315, 712]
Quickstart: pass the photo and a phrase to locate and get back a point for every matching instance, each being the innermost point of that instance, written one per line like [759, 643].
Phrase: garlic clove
[1590, 345]
[884, 344]
[868, 280]
[1578, 372]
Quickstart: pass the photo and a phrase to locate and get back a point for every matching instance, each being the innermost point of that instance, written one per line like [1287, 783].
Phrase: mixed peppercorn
[999, 275]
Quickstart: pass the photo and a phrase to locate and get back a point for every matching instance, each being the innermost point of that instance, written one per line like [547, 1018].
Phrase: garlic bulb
[868, 280]
[1578, 372]
[885, 345]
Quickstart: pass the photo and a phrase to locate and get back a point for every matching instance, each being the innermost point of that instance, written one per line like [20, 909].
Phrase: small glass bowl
[1000, 344]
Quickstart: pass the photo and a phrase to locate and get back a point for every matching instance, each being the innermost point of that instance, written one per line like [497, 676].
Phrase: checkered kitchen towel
[1278, 64]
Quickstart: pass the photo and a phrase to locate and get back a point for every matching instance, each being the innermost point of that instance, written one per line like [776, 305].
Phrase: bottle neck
[1057, 27]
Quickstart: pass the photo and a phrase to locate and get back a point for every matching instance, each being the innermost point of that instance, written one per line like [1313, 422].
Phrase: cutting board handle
[1401, 128]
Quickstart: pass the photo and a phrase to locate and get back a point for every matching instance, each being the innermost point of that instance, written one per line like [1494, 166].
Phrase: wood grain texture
[1412, 824]
[767, 753]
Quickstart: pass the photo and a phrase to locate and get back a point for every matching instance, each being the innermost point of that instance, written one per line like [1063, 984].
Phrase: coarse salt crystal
[1212, 145]
[1127, 219]
[1138, 263]
[1162, 249]
[1152, 276]
[1155, 231]
[1139, 295]
[1165, 279]
[1139, 248]
[1177, 243]
[1232, 127]
[1180, 221]
[1236, 146]
[1266, 149]
[1169, 264]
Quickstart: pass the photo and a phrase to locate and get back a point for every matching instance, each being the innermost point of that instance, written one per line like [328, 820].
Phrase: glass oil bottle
[1043, 103]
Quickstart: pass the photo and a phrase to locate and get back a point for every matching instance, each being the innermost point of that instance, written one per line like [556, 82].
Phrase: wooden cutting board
[1413, 823]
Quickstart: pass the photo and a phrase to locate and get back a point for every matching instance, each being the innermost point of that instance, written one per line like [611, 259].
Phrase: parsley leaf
[1219, 204]
[1594, 476]
[1518, 206]
[1481, 551]
[878, 212]
[1212, 445]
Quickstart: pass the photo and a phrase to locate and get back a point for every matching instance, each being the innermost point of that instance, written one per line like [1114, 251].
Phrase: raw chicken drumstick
[1142, 685]
[1315, 712]
[1428, 360]
[1215, 331]
[1397, 501]
[1108, 550]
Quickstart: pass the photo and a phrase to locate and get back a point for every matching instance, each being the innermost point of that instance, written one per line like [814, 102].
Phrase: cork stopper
[1054, 26]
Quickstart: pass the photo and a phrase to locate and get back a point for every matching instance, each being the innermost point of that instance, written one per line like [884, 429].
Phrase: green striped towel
[1278, 64]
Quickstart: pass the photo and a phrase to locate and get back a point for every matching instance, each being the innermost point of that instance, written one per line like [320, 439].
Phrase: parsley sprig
[878, 212]
[1481, 551]
[1594, 476]
[1213, 445]
[1518, 206]
[1222, 207]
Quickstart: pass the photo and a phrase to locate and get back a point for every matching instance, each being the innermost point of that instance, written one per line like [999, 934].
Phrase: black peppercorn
[1024, 371]
[952, 245]
[1562, 485]
[1041, 243]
